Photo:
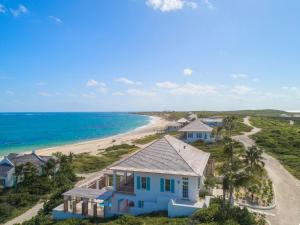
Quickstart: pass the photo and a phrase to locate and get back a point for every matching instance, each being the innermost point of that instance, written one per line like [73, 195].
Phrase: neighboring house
[213, 121]
[197, 130]
[173, 126]
[183, 121]
[192, 116]
[166, 175]
[8, 164]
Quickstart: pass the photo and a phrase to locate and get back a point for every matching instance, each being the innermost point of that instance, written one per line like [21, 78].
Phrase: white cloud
[56, 19]
[208, 4]
[194, 89]
[44, 94]
[89, 95]
[94, 83]
[9, 92]
[41, 83]
[170, 5]
[140, 93]
[125, 80]
[166, 85]
[2, 9]
[118, 93]
[188, 72]
[238, 75]
[20, 10]
[240, 90]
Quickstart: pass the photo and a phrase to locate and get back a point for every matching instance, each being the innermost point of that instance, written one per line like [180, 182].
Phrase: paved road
[287, 187]
[27, 215]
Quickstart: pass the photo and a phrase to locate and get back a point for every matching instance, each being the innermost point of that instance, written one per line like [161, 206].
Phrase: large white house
[166, 175]
[8, 164]
[197, 130]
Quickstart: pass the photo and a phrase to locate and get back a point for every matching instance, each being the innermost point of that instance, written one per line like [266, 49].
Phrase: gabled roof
[4, 168]
[197, 125]
[167, 155]
[183, 120]
[212, 120]
[173, 124]
[19, 159]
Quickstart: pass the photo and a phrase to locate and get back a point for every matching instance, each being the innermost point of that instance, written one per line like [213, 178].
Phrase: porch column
[115, 180]
[95, 209]
[125, 176]
[74, 205]
[85, 206]
[66, 203]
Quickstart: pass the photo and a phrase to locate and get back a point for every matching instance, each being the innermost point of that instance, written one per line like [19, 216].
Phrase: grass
[85, 163]
[240, 127]
[281, 140]
[14, 204]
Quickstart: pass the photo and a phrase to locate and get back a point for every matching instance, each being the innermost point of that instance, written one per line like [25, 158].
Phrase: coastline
[93, 146]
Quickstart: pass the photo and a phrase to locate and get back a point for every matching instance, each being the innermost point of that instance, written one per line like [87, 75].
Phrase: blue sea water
[31, 131]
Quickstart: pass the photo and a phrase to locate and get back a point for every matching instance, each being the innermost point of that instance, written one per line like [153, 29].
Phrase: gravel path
[27, 215]
[287, 187]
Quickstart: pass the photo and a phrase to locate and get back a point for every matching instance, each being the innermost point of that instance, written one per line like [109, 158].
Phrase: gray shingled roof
[212, 120]
[168, 155]
[196, 125]
[173, 124]
[19, 159]
[4, 168]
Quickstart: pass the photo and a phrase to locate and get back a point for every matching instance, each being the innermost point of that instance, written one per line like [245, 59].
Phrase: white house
[183, 121]
[173, 126]
[166, 175]
[8, 164]
[197, 130]
[213, 121]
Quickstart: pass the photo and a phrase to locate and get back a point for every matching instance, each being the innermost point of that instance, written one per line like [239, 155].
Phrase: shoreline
[94, 146]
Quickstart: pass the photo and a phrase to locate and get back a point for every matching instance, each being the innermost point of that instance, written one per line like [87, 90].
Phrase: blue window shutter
[172, 186]
[138, 182]
[162, 184]
[139, 204]
[148, 184]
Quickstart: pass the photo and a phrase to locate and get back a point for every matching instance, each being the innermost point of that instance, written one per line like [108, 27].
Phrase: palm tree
[254, 160]
[49, 168]
[235, 176]
[18, 174]
[228, 124]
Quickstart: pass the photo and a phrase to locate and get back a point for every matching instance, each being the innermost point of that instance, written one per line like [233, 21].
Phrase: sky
[149, 55]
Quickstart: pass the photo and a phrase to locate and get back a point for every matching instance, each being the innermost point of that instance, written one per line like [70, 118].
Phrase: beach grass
[280, 139]
[86, 163]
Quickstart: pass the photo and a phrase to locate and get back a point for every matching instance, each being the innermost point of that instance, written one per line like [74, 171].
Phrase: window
[199, 135]
[141, 204]
[190, 135]
[205, 136]
[167, 185]
[199, 182]
[185, 187]
[144, 182]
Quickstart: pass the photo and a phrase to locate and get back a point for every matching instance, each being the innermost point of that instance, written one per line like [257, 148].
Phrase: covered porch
[84, 202]
[123, 182]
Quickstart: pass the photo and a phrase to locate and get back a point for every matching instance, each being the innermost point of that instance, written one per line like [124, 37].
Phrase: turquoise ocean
[32, 131]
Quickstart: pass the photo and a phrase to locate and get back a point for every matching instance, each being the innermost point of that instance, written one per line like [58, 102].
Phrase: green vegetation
[85, 163]
[214, 215]
[216, 149]
[175, 115]
[148, 139]
[281, 140]
[35, 187]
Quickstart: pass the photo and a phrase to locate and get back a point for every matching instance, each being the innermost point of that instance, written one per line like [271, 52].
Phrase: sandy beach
[94, 146]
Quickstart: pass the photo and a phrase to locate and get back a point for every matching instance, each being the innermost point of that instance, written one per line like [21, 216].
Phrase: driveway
[286, 187]
[27, 215]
